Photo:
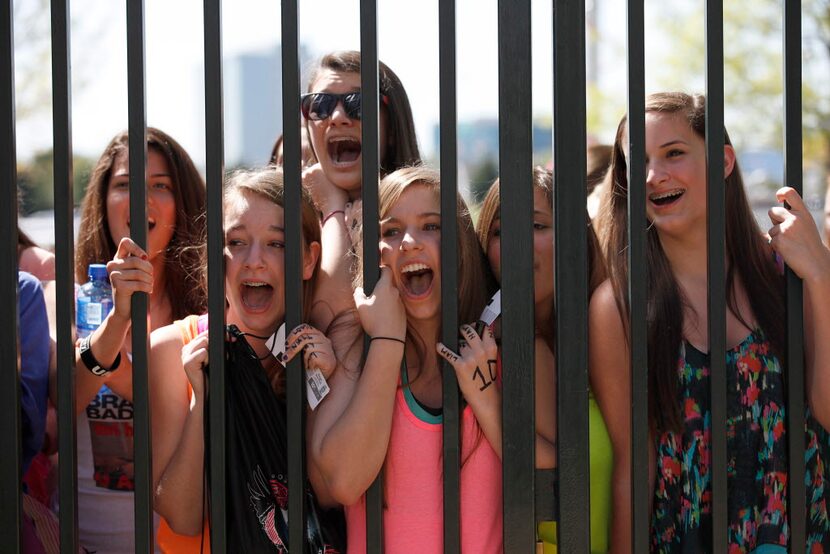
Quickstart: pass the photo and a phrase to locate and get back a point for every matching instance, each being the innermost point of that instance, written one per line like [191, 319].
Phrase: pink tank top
[413, 488]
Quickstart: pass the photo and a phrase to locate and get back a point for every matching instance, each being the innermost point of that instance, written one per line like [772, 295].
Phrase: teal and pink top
[413, 489]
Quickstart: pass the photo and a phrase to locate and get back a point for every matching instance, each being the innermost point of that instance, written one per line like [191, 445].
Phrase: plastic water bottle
[94, 300]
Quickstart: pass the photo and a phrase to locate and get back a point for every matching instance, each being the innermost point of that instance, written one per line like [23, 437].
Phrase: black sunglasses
[317, 106]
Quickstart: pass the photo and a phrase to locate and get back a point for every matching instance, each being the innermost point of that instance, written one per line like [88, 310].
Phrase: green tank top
[602, 462]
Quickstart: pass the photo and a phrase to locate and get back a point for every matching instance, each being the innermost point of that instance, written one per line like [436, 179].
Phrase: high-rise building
[253, 105]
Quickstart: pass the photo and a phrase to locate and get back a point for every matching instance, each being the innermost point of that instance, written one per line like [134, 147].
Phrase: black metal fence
[522, 508]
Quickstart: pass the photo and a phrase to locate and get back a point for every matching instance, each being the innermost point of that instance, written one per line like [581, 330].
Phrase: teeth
[414, 267]
[255, 284]
[342, 139]
[669, 194]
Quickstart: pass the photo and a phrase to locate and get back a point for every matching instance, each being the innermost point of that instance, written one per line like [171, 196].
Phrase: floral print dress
[756, 443]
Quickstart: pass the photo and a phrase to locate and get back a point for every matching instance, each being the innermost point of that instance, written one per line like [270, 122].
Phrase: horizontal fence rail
[529, 495]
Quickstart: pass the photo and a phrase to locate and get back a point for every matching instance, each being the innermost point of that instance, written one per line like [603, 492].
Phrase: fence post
[449, 275]
[10, 466]
[144, 535]
[295, 392]
[516, 186]
[65, 274]
[638, 279]
[214, 170]
[716, 232]
[369, 195]
[794, 377]
[571, 275]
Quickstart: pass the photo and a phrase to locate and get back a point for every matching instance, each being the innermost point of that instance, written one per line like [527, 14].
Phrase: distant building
[479, 139]
[253, 105]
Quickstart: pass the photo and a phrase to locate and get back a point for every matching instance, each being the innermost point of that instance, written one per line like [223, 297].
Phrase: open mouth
[344, 150]
[416, 279]
[151, 224]
[256, 295]
[666, 198]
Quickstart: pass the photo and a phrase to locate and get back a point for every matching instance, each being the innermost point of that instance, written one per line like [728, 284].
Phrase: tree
[753, 67]
[35, 181]
[482, 175]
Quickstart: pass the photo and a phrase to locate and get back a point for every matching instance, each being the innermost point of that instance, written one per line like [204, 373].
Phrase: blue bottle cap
[97, 272]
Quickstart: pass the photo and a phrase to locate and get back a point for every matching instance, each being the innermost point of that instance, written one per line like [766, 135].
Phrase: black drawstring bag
[257, 470]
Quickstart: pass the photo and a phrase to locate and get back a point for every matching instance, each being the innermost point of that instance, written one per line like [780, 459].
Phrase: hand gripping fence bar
[370, 119]
[136, 101]
[794, 375]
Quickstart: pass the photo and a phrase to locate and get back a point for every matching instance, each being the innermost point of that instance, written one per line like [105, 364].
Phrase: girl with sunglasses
[332, 113]
[678, 346]
[489, 234]
[389, 413]
[255, 294]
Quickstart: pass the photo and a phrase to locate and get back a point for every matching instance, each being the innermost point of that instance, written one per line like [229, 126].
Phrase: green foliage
[482, 175]
[753, 67]
[35, 181]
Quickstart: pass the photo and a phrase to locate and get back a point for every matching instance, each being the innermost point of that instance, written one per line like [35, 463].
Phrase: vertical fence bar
[571, 275]
[293, 270]
[638, 278]
[449, 274]
[515, 174]
[795, 294]
[214, 169]
[138, 232]
[716, 231]
[369, 195]
[64, 266]
[10, 467]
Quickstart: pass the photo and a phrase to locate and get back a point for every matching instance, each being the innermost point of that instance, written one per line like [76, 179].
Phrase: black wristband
[93, 365]
[388, 338]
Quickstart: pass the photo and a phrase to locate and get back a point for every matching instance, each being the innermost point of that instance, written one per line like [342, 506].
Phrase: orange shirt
[168, 540]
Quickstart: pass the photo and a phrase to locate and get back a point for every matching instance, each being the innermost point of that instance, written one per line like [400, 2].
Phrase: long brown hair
[185, 288]
[543, 180]
[269, 184]
[748, 259]
[402, 145]
[24, 241]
